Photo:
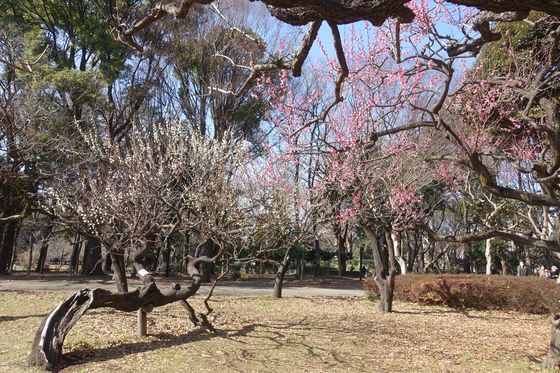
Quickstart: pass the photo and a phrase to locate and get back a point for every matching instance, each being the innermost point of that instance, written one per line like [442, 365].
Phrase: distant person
[521, 269]
[364, 271]
[554, 272]
[543, 272]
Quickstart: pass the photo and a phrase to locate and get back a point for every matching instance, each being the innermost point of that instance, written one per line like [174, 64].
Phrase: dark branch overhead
[340, 12]
[551, 7]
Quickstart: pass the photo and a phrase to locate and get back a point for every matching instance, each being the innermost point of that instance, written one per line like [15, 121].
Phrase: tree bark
[107, 263]
[119, 272]
[385, 270]
[552, 359]
[280, 274]
[46, 350]
[92, 257]
[7, 245]
[44, 250]
[504, 267]
[340, 241]
[395, 244]
[30, 258]
[488, 254]
[361, 265]
[42, 257]
[317, 258]
[75, 255]
[207, 270]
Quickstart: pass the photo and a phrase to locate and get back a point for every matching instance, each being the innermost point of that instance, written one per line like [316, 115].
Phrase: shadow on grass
[163, 340]
[469, 313]
[88, 354]
[13, 318]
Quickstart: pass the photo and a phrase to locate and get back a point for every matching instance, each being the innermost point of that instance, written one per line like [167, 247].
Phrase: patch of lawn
[290, 334]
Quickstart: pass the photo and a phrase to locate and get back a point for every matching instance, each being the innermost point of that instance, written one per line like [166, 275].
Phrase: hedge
[480, 292]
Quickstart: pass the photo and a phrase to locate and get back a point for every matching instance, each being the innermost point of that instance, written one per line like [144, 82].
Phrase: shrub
[480, 292]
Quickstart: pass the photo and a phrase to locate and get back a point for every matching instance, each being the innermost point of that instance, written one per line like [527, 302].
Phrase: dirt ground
[294, 334]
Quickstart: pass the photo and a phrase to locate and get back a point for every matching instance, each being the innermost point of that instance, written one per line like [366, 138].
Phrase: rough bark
[340, 242]
[488, 254]
[44, 250]
[552, 359]
[75, 255]
[207, 270]
[504, 267]
[282, 268]
[119, 272]
[361, 265]
[107, 263]
[395, 243]
[92, 257]
[46, 350]
[385, 270]
[316, 258]
[7, 245]
[30, 258]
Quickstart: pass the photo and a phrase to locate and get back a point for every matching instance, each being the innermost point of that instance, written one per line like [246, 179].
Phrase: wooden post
[143, 319]
[142, 323]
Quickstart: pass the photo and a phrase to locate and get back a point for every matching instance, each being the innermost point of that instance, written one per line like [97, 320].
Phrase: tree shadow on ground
[162, 340]
[465, 312]
[89, 354]
[13, 318]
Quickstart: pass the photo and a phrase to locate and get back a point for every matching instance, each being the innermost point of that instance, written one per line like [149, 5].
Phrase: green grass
[261, 334]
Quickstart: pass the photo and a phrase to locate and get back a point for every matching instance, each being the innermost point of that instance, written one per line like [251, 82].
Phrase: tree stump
[552, 359]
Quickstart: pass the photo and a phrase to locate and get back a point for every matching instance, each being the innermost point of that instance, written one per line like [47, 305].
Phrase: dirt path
[323, 287]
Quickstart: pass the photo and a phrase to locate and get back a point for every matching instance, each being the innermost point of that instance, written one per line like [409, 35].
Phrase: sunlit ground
[257, 334]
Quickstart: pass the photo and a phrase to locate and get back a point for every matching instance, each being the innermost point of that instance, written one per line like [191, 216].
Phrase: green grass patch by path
[261, 334]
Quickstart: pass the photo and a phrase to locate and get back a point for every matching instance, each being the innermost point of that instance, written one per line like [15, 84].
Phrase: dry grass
[291, 334]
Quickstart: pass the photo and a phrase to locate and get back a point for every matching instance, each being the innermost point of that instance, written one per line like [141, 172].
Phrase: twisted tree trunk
[46, 350]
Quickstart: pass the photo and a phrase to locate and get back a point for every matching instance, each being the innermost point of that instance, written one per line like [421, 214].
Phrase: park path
[230, 288]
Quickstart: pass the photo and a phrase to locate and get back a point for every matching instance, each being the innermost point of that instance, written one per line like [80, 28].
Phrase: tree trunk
[299, 267]
[42, 257]
[92, 257]
[552, 359]
[7, 245]
[156, 260]
[30, 259]
[385, 270]
[488, 254]
[13, 260]
[167, 256]
[361, 265]
[119, 272]
[395, 244]
[280, 274]
[341, 246]
[207, 270]
[317, 258]
[46, 350]
[386, 290]
[528, 262]
[504, 267]
[44, 250]
[75, 255]
[107, 263]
